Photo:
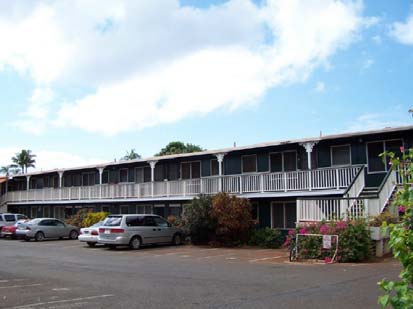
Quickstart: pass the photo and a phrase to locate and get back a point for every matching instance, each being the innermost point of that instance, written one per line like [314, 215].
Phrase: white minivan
[137, 230]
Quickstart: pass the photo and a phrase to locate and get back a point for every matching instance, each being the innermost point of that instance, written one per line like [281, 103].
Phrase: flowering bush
[233, 217]
[399, 294]
[353, 241]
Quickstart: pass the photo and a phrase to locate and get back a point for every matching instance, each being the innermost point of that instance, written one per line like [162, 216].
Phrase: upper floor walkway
[332, 180]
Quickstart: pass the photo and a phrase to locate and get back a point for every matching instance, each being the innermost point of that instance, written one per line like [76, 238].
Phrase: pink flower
[291, 232]
[303, 231]
[328, 260]
[402, 149]
[324, 229]
[341, 225]
[402, 209]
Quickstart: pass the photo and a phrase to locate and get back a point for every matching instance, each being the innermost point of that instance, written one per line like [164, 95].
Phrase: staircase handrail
[386, 188]
[353, 182]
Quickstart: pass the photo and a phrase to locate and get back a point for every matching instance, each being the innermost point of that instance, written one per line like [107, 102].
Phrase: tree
[24, 159]
[178, 147]
[399, 293]
[9, 169]
[131, 155]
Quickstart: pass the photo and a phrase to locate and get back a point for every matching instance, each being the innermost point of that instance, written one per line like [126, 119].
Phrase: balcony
[296, 181]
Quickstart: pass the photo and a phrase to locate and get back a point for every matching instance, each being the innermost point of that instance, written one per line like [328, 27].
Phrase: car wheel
[91, 244]
[73, 235]
[135, 243]
[39, 236]
[177, 240]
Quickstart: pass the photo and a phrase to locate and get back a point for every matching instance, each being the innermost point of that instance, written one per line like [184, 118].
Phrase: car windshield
[97, 224]
[113, 221]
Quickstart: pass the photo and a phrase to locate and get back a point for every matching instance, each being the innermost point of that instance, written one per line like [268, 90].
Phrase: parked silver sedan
[42, 228]
[90, 234]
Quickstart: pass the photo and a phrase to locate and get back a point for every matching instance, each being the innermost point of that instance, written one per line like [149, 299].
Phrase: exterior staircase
[357, 202]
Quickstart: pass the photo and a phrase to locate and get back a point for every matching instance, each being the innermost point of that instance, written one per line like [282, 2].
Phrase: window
[375, 163]
[290, 161]
[374, 149]
[255, 211]
[9, 218]
[214, 167]
[124, 210]
[123, 175]
[149, 221]
[58, 223]
[159, 174]
[175, 210]
[33, 212]
[173, 171]
[161, 222]
[105, 177]
[143, 174]
[283, 161]
[113, 221]
[144, 209]
[190, 170]
[249, 163]
[46, 211]
[284, 215]
[88, 179]
[340, 155]
[135, 221]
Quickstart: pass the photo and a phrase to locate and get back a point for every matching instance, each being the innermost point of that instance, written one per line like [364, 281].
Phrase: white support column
[220, 159]
[28, 183]
[152, 164]
[100, 169]
[309, 149]
[60, 184]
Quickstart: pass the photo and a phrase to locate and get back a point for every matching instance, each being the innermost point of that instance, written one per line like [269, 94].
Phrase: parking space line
[265, 259]
[218, 255]
[20, 286]
[79, 299]
[14, 280]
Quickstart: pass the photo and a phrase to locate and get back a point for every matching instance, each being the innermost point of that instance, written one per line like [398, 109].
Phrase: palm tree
[9, 169]
[131, 155]
[24, 159]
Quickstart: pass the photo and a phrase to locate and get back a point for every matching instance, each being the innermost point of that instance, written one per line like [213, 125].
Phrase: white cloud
[372, 121]
[35, 119]
[47, 160]
[155, 62]
[403, 32]
[320, 87]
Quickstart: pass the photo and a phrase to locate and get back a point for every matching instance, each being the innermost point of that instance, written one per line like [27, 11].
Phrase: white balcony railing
[320, 179]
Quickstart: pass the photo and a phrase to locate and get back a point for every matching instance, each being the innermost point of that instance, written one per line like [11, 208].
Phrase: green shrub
[93, 218]
[196, 220]
[266, 238]
[86, 217]
[78, 217]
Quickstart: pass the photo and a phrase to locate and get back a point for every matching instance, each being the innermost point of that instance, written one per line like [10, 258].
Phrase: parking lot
[66, 274]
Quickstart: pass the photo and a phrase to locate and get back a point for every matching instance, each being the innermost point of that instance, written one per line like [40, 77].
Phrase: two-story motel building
[286, 181]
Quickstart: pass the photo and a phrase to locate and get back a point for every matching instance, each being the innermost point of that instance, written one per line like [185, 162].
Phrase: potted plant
[378, 225]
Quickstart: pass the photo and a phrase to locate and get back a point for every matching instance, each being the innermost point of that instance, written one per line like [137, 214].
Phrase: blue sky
[82, 82]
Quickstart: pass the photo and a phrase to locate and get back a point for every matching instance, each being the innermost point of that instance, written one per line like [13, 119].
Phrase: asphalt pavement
[66, 274]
